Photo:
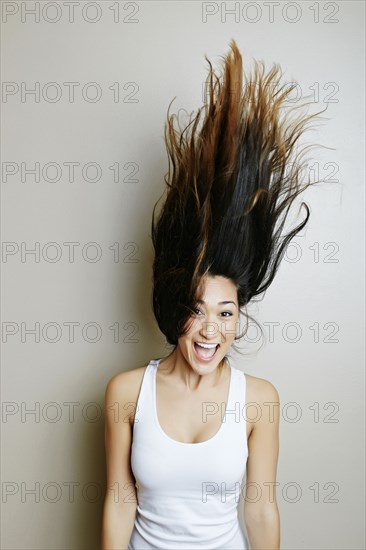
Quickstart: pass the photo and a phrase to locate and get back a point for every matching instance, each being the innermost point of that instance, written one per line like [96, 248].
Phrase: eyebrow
[225, 302]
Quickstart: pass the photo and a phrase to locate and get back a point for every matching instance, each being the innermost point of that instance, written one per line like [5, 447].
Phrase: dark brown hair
[230, 185]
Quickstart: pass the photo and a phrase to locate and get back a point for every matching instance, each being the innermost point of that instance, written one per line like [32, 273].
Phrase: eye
[196, 310]
[229, 314]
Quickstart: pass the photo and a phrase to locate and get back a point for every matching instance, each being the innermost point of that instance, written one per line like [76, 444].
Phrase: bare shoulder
[124, 387]
[125, 381]
[263, 396]
[260, 390]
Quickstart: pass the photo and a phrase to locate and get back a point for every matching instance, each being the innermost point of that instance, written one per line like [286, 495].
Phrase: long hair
[231, 182]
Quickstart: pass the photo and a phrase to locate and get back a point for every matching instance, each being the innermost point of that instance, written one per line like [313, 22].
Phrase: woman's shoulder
[125, 385]
[260, 390]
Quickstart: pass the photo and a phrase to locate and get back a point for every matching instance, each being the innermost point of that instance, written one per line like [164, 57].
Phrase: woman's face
[214, 323]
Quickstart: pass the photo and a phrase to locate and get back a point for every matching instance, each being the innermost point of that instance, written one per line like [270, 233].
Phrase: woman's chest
[190, 419]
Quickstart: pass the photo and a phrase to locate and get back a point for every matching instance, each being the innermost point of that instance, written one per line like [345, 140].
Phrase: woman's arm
[120, 500]
[261, 514]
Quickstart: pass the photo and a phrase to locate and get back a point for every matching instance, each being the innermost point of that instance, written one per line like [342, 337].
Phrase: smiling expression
[213, 324]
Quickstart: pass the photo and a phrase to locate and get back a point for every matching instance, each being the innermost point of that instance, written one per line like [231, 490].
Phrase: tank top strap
[235, 413]
[238, 393]
[144, 404]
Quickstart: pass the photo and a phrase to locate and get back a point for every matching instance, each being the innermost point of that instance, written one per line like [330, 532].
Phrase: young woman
[188, 433]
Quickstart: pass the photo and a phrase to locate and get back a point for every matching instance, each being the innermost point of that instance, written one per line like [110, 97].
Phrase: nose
[209, 329]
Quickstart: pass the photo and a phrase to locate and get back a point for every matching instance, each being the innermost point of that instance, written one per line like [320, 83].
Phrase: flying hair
[234, 172]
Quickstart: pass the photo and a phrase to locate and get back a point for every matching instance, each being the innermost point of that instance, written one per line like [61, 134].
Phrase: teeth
[209, 346]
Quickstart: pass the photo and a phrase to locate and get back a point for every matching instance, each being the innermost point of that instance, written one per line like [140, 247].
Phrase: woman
[178, 436]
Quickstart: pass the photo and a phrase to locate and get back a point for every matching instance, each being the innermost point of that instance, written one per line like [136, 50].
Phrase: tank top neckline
[155, 363]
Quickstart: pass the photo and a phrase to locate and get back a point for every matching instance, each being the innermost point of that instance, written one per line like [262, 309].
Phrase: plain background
[53, 379]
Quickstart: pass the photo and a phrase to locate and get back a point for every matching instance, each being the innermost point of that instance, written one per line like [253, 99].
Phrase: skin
[183, 382]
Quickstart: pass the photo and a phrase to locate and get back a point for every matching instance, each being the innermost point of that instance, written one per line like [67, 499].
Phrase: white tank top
[188, 493]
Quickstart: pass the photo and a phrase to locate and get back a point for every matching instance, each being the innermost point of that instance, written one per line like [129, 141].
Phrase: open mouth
[205, 352]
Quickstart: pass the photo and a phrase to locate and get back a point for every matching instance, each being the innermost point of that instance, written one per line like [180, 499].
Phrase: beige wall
[52, 382]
